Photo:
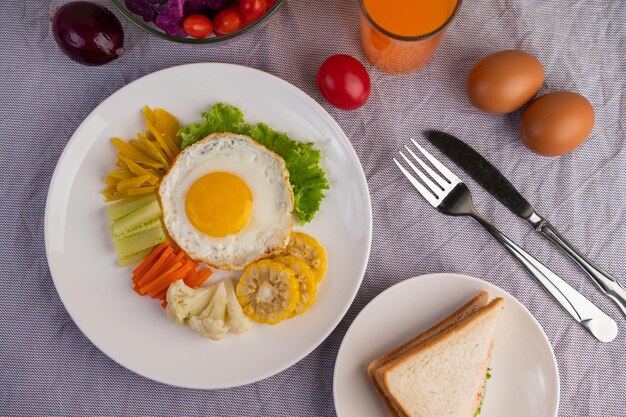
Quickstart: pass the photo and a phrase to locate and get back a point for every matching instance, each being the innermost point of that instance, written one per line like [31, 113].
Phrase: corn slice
[306, 280]
[268, 291]
[308, 248]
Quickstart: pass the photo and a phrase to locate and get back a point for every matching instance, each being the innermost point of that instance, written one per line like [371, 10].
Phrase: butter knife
[492, 180]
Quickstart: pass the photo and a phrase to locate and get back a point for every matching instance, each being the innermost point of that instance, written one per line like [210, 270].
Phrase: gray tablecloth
[47, 367]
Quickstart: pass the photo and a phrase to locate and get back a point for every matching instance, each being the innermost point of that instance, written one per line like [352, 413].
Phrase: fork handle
[605, 282]
[594, 320]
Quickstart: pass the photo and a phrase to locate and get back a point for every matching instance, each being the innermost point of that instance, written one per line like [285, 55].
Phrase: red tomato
[251, 10]
[227, 21]
[198, 26]
[270, 3]
[344, 82]
[233, 6]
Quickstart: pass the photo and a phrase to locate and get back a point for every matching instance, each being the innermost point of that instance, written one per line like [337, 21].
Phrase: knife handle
[605, 282]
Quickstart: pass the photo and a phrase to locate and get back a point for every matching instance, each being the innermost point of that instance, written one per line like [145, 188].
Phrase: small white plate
[133, 330]
[525, 378]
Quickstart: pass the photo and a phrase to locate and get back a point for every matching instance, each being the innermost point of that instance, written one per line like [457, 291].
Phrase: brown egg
[504, 81]
[556, 123]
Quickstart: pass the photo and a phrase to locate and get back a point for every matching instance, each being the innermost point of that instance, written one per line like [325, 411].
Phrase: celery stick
[137, 230]
[136, 243]
[122, 208]
[134, 259]
[137, 218]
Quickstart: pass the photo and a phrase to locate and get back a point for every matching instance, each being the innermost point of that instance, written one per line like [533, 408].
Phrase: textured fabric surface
[47, 367]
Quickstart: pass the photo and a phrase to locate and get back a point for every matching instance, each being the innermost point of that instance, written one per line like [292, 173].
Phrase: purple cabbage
[168, 15]
[147, 9]
[170, 18]
[199, 6]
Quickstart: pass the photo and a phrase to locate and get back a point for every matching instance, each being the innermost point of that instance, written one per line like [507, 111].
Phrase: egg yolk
[219, 204]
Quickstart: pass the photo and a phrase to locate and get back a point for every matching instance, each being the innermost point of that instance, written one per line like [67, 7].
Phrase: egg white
[263, 171]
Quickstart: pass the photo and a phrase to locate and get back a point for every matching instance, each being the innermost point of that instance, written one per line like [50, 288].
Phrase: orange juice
[400, 36]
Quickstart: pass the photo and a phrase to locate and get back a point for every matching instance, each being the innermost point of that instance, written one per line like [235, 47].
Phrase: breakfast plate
[524, 378]
[134, 331]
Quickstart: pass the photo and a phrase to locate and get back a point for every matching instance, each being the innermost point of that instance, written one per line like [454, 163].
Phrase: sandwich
[442, 371]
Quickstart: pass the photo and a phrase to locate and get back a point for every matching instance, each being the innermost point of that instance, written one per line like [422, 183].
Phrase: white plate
[134, 331]
[525, 379]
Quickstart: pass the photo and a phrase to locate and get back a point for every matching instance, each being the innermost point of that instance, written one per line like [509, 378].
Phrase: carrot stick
[191, 278]
[161, 295]
[154, 270]
[164, 303]
[178, 258]
[157, 268]
[145, 265]
[159, 279]
[163, 282]
[201, 277]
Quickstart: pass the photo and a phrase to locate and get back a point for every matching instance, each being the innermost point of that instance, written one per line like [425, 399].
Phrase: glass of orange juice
[400, 36]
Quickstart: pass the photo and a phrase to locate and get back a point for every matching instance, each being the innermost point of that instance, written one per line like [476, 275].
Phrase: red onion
[88, 33]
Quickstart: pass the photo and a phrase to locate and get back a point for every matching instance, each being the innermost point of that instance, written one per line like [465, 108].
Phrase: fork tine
[443, 183]
[422, 190]
[436, 190]
[441, 167]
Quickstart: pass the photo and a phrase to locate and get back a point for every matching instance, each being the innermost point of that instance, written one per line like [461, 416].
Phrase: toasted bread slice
[444, 374]
[477, 302]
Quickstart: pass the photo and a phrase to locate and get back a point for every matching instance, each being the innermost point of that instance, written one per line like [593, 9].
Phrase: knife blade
[492, 180]
[482, 171]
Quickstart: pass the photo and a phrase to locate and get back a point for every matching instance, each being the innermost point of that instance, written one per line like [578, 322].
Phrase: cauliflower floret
[236, 319]
[184, 301]
[211, 322]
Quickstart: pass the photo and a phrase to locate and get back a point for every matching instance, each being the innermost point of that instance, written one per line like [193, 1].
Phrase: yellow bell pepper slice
[148, 114]
[131, 183]
[141, 190]
[153, 149]
[167, 124]
[133, 153]
[121, 174]
[168, 146]
[138, 170]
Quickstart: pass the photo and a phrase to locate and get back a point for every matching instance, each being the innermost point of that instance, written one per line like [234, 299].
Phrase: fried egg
[227, 201]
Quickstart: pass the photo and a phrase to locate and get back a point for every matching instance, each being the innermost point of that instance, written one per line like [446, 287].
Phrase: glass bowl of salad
[198, 21]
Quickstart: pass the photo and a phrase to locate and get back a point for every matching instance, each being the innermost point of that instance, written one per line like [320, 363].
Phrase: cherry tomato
[233, 6]
[344, 82]
[270, 3]
[198, 26]
[227, 21]
[251, 10]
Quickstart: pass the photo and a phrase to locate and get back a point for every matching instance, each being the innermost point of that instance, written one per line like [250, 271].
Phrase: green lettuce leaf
[220, 118]
[306, 177]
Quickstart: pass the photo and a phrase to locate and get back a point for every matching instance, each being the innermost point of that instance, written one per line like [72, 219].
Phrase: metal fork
[448, 194]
